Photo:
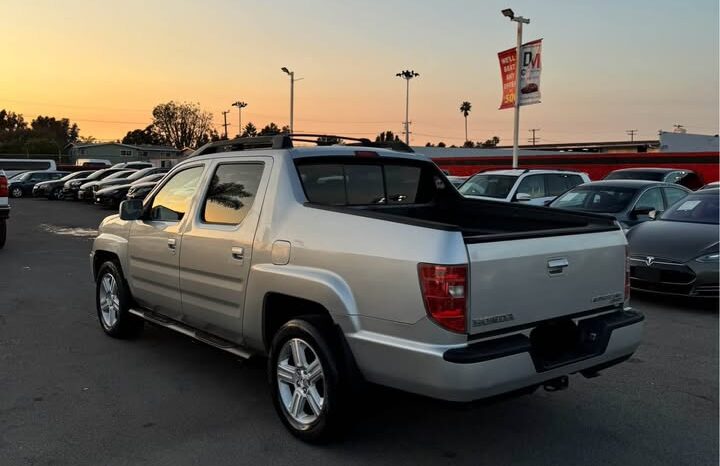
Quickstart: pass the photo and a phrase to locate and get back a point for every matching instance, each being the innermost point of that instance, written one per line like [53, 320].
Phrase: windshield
[636, 175]
[120, 175]
[596, 199]
[497, 186]
[694, 209]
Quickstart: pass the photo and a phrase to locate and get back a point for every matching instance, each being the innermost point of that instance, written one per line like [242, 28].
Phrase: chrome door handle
[237, 253]
[172, 244]
[556, 266]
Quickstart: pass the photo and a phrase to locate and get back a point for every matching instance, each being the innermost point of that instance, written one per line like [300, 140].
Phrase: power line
[225, 123]
[534, 138]
[631, 133]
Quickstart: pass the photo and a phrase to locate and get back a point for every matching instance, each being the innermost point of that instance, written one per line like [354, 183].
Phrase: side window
[173, 200]
[672, 195]
[532, 185]
[651, 199]
[231, 193]
[558, 183]
[674, 177]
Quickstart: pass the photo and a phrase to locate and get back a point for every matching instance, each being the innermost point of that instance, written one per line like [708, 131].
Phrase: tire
[56, 194]
[320, 400]
[3, 232]
[16, 192]
[113, 300]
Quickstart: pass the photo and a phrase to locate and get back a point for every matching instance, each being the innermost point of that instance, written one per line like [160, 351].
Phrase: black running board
[199, 335]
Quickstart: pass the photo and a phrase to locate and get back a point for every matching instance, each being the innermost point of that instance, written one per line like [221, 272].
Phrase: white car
[537, 187]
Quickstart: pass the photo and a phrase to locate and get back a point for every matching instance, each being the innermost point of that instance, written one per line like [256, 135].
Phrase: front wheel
[56, 194]
[113, 303]
[16, 191]
[307, 380]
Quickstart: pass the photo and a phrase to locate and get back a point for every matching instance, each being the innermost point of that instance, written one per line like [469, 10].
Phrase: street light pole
[518, 67]
[292, 94]
[407, 75]
[240, 105]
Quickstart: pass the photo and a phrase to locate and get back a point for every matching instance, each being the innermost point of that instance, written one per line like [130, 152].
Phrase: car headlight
[712, 257]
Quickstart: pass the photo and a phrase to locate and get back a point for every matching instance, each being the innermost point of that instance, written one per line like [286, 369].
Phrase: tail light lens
[3, 186]
[444, 289]
[627, 275]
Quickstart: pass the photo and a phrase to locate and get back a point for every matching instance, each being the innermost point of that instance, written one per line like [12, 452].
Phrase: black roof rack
[285, 141]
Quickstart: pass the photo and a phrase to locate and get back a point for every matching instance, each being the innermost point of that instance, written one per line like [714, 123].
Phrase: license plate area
[646, 273]
[560, 342]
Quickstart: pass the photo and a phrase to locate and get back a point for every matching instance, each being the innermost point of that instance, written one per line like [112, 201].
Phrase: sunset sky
[607, 66]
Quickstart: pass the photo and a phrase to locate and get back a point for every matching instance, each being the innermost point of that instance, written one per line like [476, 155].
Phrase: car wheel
[307, 379]
[3, 232]
[56, 194]
[16, 192]
[113, 301]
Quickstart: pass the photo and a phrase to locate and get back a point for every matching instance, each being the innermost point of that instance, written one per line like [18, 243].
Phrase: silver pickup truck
[352, 263]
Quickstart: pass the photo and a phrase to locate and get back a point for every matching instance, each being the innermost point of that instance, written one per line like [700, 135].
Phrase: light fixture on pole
[507, 12]
[292, 94]
[407, 75]
[240, 105]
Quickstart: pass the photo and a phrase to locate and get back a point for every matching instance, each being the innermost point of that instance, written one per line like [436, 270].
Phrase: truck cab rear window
[365, 184]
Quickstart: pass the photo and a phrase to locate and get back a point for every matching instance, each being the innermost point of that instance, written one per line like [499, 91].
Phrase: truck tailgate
[518, 282]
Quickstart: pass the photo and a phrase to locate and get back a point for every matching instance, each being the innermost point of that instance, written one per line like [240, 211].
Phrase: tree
[227, 194]
[441, 144]
[60, 132]
[250, 131]
[387, 136]
[182, 124]
[429, 144]
[272, 129]
[149, 135]
[465, 108]
[490, 143]
[468, 144]
[328, 141]
[12, 126]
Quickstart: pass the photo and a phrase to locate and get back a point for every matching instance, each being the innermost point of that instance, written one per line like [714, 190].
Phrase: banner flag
[529, 74]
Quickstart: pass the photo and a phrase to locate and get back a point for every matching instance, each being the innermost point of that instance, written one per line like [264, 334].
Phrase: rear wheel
[56, 194]
[307, 379]
[16, 191]
[113, 303]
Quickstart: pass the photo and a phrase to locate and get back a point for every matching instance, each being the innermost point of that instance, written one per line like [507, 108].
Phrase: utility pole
[631, 133]
[240, 105]
[225, 124]
[292, 94]
[407, 75]
[518, 67]
[533, 138]
[679, 129]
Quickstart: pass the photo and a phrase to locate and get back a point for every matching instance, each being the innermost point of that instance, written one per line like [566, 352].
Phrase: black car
[71, 188]
[111, 196]
[629, 201]
[53, 189]
[687, 178]
[678, 253]
[135, 176]
[23, 185]
[133, 165]
[140, 190]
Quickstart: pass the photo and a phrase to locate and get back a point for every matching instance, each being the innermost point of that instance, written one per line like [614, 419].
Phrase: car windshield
[694, 209]
[636, 175]
[596, 199]
[120, 175]
[487, 185]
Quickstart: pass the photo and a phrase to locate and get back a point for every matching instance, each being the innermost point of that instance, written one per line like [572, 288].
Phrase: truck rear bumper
[493, 366]
[4, 212]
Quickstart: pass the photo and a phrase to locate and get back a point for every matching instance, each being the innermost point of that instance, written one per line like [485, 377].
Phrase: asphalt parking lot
[71, 395]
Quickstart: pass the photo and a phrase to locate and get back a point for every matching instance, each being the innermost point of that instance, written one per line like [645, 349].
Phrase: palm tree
[465, 110]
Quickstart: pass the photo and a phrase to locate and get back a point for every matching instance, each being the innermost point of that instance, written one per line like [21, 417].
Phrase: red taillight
[444, 289]
[366, 153]
[627, 275]
[3, 187]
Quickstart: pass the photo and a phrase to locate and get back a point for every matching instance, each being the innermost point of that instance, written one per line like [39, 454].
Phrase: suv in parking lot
[350, 262]
[537, 187]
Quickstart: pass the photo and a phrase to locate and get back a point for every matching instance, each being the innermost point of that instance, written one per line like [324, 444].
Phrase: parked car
[714, 184]
[93, 163]
[457, 181]
[139, 189]
[133, 165]
[111, 196]
[4, 207]
[629, 201]
[71, 188]
[12, 167]
[687, 178]
[87, 189]
[135, 176]
[304, 254]
[53, 189]
[535, 187]
[23, 185]
[678, 252]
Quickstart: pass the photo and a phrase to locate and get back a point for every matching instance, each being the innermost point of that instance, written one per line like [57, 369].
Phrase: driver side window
[534, 185]
[172, 201]
[651, 199]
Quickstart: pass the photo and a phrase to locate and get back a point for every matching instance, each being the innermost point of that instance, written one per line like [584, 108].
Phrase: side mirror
[132, 209]
[522, 197]
[653, 214]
